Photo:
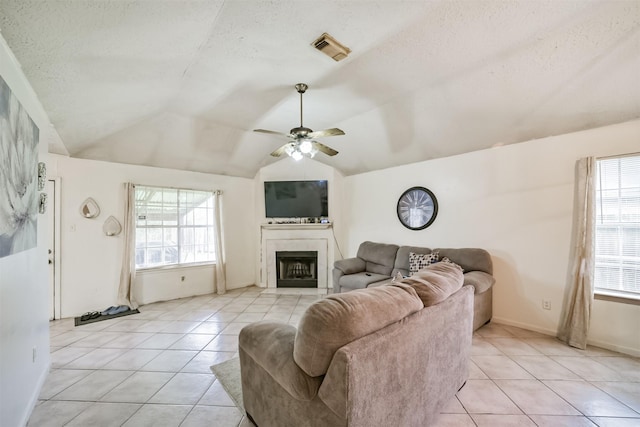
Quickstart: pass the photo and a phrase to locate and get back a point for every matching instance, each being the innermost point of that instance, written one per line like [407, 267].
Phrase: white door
[53, 223]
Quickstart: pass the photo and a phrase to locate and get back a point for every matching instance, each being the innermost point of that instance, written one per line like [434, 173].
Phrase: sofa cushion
[350, 265]
[339, 319]
[436, 282]
[379, 257]
[420, 261]
[361, 280]
[469, 258]
[480, 281]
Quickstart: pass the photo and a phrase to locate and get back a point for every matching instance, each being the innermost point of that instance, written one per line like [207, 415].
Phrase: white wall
[24, 325]
[90, 261]
[515, 201]
[288, 169]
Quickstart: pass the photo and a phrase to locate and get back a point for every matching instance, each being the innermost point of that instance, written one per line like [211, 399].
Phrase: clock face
[417, 208]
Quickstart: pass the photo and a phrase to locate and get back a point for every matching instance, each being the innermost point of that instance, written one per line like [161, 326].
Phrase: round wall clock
[417, 208]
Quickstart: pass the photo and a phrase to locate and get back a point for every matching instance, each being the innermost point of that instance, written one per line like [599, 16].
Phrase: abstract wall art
[19, 198]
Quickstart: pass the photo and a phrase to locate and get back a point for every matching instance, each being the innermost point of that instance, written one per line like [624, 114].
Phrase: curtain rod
[637, 153]
[219, 192]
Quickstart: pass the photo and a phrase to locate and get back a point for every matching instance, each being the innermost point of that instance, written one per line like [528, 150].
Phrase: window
[617, 227]
[173, 227]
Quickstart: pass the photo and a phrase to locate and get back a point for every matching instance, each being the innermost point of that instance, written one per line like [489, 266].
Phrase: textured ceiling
[181, 84]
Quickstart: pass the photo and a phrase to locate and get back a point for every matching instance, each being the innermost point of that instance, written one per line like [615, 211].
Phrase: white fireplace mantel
[296, 237]
[307, 227]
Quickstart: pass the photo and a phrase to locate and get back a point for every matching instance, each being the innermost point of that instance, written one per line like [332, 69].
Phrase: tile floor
[152, 369]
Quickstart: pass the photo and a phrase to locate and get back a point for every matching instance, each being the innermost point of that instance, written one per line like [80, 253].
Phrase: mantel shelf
[296, 226]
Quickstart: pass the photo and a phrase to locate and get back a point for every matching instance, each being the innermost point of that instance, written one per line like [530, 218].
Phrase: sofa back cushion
[470, 259]
[339, 319]
[401, 264]
[436, 282]
[379, 257]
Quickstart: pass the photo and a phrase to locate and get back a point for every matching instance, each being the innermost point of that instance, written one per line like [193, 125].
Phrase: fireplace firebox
[297, 269]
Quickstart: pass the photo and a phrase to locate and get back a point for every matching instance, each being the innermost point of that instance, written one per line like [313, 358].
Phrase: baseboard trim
[615, 347]
[34, 398]
[597, 343]
[526, 326]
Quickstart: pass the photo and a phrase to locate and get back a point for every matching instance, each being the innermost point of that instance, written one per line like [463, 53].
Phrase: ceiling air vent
[331, 47]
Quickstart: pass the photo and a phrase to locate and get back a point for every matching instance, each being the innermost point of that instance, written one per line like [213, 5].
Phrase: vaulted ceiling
[181, 84]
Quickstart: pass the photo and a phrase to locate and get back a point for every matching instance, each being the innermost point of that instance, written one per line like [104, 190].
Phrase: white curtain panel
[220, 275]
[576, 314]
[128, 272]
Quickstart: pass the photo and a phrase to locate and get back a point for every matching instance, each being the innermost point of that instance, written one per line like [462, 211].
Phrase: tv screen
[296, 199]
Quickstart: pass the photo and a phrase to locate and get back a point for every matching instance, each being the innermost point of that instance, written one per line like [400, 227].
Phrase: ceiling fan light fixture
[305, 146]
[302, 139]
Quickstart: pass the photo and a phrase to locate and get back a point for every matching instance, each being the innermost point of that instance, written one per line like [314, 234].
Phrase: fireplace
[297, 269]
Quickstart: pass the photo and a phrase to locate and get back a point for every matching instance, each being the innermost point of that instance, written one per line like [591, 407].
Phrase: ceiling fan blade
[326, 132]
[326, 150]
[280, 151]
[273, 132]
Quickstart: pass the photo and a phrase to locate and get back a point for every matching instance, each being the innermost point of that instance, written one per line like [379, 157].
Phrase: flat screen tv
[296, 199]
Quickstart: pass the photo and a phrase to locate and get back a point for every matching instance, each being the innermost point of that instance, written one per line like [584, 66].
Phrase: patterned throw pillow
[420, 261]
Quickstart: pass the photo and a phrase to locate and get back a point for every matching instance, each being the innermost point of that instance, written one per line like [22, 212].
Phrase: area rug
[228, 373]
[78, 321]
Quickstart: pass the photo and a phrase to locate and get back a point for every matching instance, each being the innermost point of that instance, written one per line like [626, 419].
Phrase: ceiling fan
[303, 139]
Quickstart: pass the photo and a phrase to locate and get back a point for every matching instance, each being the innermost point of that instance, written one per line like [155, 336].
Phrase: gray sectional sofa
[377, 263]
[340, 366]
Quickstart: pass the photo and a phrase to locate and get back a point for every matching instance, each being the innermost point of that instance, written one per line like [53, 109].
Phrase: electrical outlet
[182, 278]
[546, 304]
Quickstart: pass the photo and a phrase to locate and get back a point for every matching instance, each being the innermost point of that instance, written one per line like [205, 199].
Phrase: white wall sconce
[89, 208]
[111, 226]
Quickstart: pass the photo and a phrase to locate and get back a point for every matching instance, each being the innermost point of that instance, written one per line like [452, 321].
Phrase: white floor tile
[561, 421]
[93, 386]
[126, 363]
[156, 415]
[533, 397]
[54, 413]
[139, 387]
[133, 359]
[590, 400]
[485, 420]
[169, 361]
[207, 416]
[60, 379]
[104, 415]
[484, 397]
[183, 389]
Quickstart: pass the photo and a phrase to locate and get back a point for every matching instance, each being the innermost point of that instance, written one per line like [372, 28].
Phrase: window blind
[617, 225]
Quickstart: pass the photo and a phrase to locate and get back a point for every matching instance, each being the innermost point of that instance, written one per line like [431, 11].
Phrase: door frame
[55, 210]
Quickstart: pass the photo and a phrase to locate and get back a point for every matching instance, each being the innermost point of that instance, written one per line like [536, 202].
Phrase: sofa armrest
[270, 345]
[480, 281]
[350, 265]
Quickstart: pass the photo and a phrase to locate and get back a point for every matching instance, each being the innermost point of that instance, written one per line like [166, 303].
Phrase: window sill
[175, 266]
[620, 297]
